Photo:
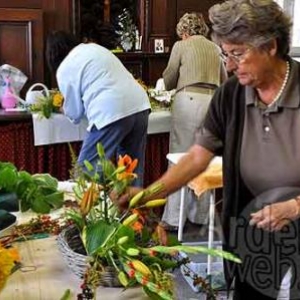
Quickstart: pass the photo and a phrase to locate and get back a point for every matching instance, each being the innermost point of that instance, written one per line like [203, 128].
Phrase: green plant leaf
[76, 217]
[97, 235]
[45, 180]
[152, 295]
[25, 205]
[8, 178]
[197, 249]
[55, 200]
[40, 206]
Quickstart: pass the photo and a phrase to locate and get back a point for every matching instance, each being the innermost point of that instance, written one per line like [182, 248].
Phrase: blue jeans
[125, 136]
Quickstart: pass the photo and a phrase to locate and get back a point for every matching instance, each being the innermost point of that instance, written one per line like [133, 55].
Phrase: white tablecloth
[58, 128]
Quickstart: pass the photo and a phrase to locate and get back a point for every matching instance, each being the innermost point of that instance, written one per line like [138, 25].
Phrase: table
[208, 180]
[59, 129]
[45, 276]
[17, 146]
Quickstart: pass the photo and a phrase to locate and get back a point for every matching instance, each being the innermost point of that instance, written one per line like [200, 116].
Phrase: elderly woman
[254, 122]
[195, 70]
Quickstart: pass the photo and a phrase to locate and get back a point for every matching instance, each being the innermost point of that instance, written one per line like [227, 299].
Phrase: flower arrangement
[159, 99]
[139, 252]
[47, 105]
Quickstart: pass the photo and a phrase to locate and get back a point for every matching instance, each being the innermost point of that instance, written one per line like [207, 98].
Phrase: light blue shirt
[95, 84]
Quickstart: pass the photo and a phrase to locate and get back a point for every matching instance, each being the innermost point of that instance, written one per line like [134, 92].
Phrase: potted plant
[121, 243]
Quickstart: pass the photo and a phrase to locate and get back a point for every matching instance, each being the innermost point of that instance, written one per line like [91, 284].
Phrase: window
[292, 7]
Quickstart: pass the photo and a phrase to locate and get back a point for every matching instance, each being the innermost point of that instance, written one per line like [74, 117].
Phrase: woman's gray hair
[253, 22]
[192, 24]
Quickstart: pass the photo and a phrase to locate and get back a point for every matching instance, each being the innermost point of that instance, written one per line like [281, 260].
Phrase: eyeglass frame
[237, 58]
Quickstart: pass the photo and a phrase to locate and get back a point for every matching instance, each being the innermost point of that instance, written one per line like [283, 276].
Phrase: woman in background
[195, 70]
[96, 85]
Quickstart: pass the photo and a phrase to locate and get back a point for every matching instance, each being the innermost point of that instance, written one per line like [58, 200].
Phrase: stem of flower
[110, 254]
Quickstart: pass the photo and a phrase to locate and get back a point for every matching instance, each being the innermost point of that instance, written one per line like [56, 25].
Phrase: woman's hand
[275, 216]
[122, 200]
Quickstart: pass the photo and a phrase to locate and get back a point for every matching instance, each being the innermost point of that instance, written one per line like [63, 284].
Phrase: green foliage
[124, 240]
[98, 235]
[37, 192]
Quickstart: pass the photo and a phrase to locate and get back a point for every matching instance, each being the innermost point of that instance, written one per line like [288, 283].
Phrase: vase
[71, 247]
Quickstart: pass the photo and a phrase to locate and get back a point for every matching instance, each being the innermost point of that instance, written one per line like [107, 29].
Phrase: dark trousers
[125, 136]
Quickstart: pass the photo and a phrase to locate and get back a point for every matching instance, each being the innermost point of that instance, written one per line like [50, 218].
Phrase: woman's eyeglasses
[236, 55]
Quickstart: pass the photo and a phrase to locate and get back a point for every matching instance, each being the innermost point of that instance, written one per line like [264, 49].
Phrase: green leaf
[76, 217]
[8, 178]
[197, 249]
[97, 235]
[152, 295]
[25, 205]
[4, 165]
[126, 231]
[39, 206]
[24, 176]
[55, 200]
[45, 180]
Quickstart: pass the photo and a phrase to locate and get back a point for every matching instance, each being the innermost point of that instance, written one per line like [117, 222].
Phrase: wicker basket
[72, 249]
[73, 252]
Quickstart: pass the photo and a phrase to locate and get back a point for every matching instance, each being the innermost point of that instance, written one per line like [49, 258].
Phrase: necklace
[286, 77]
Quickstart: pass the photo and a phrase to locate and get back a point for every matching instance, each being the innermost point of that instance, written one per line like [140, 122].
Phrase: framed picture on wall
[158, 45]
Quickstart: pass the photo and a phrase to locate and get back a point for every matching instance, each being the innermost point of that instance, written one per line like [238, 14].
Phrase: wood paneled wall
[24, 26]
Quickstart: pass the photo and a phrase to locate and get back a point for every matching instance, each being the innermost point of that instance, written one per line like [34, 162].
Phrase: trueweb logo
[271, 260]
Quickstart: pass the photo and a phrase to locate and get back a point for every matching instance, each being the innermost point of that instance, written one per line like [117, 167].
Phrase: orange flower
[140, 214]
[129, 164]
[89, 199]
[138, 225]
[161, 235]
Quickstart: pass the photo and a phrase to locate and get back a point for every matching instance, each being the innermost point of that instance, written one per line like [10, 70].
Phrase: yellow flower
[58, 99]
[6, 265]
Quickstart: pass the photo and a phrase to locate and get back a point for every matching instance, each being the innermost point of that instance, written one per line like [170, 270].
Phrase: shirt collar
[290, 97]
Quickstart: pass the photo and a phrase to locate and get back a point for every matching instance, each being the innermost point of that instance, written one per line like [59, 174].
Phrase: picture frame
[158, 45]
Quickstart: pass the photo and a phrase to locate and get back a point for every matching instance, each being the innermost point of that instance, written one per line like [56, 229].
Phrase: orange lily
[89, 199]
[161, 235]
[139, 224]
[127, 162]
